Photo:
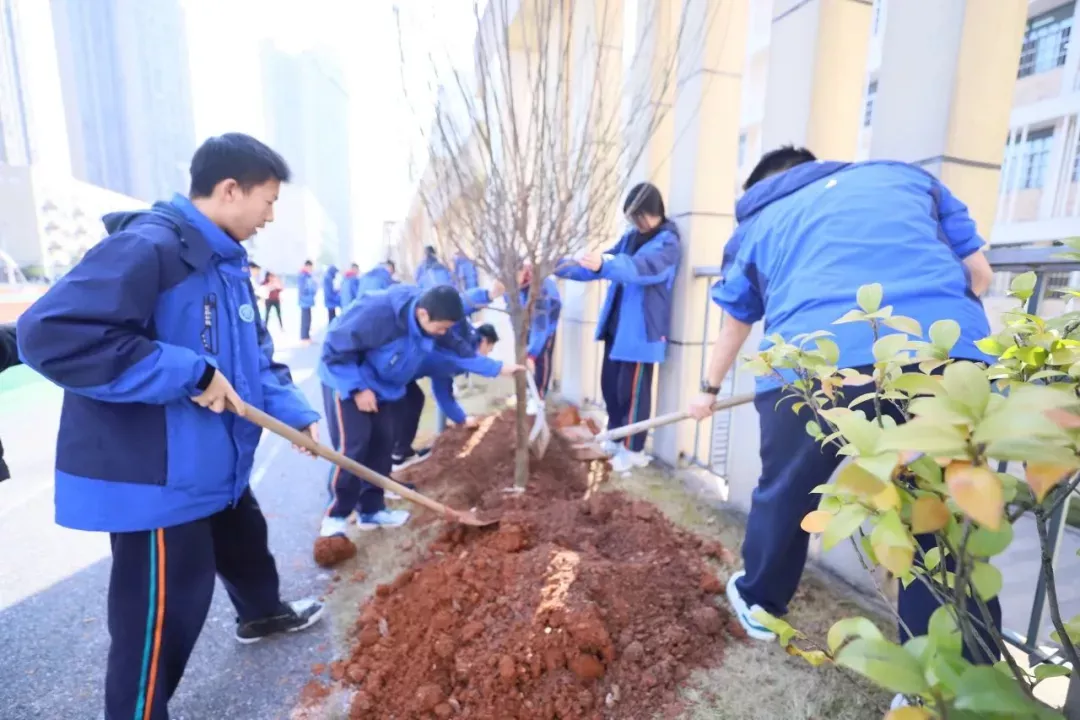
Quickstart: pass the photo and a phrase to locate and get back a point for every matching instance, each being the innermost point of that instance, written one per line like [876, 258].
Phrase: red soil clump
[570, 609]
[329, 551]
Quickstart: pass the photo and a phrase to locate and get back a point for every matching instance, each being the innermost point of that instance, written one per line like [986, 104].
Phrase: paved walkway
[52, 581]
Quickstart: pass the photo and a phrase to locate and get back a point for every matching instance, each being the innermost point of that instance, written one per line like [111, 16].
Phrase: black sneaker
[400, 462]
[295, 616]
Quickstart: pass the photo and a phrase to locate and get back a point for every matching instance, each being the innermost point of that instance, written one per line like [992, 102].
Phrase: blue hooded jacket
[378, 278]
[809, 237]
[642, 272]
[433, 273]
[378, 345]
[128, 334]
[465, 273]
[350, 282]
[331, 296]
[307, 289]
[545, 316]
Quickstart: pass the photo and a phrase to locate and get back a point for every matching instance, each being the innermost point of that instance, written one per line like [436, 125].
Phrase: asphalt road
[53, 633]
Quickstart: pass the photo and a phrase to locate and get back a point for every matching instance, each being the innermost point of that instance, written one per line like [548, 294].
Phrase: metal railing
[1049, 270]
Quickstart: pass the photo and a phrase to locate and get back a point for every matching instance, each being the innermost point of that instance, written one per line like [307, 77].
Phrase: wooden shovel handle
[661, 420]
[304, 440]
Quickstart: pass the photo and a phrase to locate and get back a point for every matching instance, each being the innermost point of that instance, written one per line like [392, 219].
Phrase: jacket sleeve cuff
[206, 378]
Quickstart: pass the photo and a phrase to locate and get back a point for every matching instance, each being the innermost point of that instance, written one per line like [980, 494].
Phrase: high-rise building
[307, 120]
[127, 93]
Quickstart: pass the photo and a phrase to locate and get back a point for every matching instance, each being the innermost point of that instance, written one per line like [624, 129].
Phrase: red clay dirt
[330, 551]
[570, 609]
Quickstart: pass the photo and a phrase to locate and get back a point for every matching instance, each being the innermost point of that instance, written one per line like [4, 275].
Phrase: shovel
[592, 450]
[258, 417]
[540, 435]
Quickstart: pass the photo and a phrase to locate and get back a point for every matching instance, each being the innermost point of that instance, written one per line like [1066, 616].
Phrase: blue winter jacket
[331, 296]
[433, 273]
[809, 237]
[378, 278]
[307, 289]
[545, 316]
[128, 334]
[350, 283]
[642, 280]
[465, 274]
[378, 345]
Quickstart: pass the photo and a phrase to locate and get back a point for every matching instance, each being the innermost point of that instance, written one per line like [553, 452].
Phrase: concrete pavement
[53, 634]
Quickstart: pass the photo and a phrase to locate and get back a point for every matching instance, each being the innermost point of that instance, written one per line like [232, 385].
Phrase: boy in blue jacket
[465, 275]
[153, 336]
[432, 272]
[809, 234]
[349, 284]
[369, 357]
[379, 277]
[442, 368]
[331, 296]
[307, 289]
[636, 316]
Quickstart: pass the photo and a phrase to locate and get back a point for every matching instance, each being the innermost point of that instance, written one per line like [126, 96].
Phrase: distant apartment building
[307, 120]
[127, 93]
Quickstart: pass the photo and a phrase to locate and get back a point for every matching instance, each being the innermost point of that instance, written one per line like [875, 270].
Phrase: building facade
[126, 83]
[307, 119]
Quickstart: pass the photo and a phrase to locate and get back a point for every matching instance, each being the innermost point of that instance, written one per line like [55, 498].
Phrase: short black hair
[487, 332]
[354, 266]
[644, 199]
[308, 263]
[238, 157]
[429, 250]
[391, 265]
[255, 266]
[442, 303]
[777, 161]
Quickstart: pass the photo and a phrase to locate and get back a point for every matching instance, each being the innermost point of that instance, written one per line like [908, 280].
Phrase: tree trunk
[521, 448]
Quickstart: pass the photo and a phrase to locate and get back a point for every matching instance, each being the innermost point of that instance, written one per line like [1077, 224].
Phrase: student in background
[379, 277]
[636, 317]
[9, 358]
[331, 296]
[307, 289]
[465, 276]
[370, 355]
[349, 285]
[813, 232]
[432, 272]
[272, 288]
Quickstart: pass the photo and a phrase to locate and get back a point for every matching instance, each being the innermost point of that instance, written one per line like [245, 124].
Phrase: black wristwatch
[709, 389]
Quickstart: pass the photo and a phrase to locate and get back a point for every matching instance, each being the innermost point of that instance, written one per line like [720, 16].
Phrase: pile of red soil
[570, 609]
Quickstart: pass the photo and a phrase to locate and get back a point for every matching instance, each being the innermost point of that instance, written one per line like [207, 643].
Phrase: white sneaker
[638, 459]
[621, 462]
[383, 518]
[898, 702]
[332, 526]
[745, 613]
[532, 408]
[611, 447]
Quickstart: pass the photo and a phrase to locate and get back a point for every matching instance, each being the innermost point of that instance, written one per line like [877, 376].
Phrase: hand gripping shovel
[258, 417]
[592, 450]
[540, 435]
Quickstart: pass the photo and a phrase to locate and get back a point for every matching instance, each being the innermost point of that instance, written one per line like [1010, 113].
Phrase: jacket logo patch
[394, 358]
[209, 334]
[247, 313]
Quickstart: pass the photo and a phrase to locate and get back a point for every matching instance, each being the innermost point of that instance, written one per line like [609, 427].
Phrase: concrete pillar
[948, 110]
[597, 27]
[817, 75]
[652, 79]
[701, 199]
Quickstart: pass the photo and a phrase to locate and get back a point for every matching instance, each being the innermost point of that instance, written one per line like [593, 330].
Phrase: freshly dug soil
[570, 609]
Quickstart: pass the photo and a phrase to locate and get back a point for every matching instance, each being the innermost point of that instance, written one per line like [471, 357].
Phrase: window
[742, 149]
[1046, 41]
[868, 109]
[1033, 157]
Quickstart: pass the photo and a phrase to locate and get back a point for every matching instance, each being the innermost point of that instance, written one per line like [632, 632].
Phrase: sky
[224, 37]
